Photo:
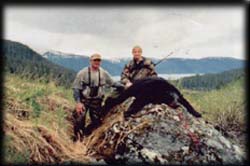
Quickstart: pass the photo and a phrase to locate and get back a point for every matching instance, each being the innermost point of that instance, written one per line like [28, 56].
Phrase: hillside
[37, 129]
[171, 65]
[37, 120]
[211, 81]
[22, 60]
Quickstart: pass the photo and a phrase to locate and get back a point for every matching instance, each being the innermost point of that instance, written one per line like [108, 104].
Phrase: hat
[95, 56]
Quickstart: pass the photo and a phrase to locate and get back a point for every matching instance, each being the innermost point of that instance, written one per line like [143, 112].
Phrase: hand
[128, 84]
[79, 108]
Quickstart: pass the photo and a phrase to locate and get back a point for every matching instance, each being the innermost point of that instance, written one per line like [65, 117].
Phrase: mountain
[62, 67]
[22, 60]
[170, 66]
[77, 62]
[203, 65]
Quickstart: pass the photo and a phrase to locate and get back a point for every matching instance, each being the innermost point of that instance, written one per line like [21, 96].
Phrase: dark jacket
[133, 71]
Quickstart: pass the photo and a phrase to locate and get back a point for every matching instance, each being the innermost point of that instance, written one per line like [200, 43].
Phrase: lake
[166, 76]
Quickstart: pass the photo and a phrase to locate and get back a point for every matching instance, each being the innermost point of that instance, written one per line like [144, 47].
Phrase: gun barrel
[163, 58]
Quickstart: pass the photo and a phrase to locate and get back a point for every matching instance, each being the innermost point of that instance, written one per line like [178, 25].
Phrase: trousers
[92, 106]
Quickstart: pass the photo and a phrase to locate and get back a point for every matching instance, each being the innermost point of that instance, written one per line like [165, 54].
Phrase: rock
[214, 144]
[150, 155]
[185, 149]
[191, 129]
[225, 141]
[238, 151]
[176, 118]
[160, 135]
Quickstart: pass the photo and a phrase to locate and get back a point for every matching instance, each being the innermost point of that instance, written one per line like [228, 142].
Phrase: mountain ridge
[76, 62]
[169, 66]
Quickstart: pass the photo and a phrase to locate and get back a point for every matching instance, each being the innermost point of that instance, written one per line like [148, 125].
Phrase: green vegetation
[11, 154]
[211, 81]
[48, 107]
[219, 97]
[22, 60]
[34, 95]
[224, 107]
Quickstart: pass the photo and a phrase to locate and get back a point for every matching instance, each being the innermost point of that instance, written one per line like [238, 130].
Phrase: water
[166, 76]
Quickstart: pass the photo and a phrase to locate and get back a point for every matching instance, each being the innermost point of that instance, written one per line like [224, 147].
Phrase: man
[88, 90]
[138, 68]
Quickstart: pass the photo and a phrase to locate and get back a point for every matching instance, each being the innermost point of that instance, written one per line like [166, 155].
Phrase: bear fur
[153, 90]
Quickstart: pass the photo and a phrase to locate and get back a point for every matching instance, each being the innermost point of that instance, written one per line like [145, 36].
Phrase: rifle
[120, 87]
[163, 59]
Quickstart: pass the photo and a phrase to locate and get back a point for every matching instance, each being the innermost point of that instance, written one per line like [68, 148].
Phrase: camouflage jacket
[133, 71]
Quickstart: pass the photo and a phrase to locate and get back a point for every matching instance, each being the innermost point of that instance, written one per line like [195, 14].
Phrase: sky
[112, 31]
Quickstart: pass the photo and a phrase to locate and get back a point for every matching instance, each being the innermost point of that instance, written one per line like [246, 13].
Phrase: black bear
[153, 90]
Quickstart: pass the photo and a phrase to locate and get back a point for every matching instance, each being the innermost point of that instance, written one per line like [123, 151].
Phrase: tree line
[20, 59]
[211, 81]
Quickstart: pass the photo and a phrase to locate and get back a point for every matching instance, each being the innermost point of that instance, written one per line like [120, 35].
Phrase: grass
[224, 107]
[11, 153]
[45, 135]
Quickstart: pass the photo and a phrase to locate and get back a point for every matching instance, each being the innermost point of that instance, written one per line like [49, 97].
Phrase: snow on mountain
[62, 54]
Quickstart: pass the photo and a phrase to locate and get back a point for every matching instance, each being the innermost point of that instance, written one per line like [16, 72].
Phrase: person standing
[88, 90]
[139, 67]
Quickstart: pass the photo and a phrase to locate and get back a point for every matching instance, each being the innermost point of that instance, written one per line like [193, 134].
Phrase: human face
[137, 53]
[95, 63]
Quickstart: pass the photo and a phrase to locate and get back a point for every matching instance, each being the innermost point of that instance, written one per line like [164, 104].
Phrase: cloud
[112, 31]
